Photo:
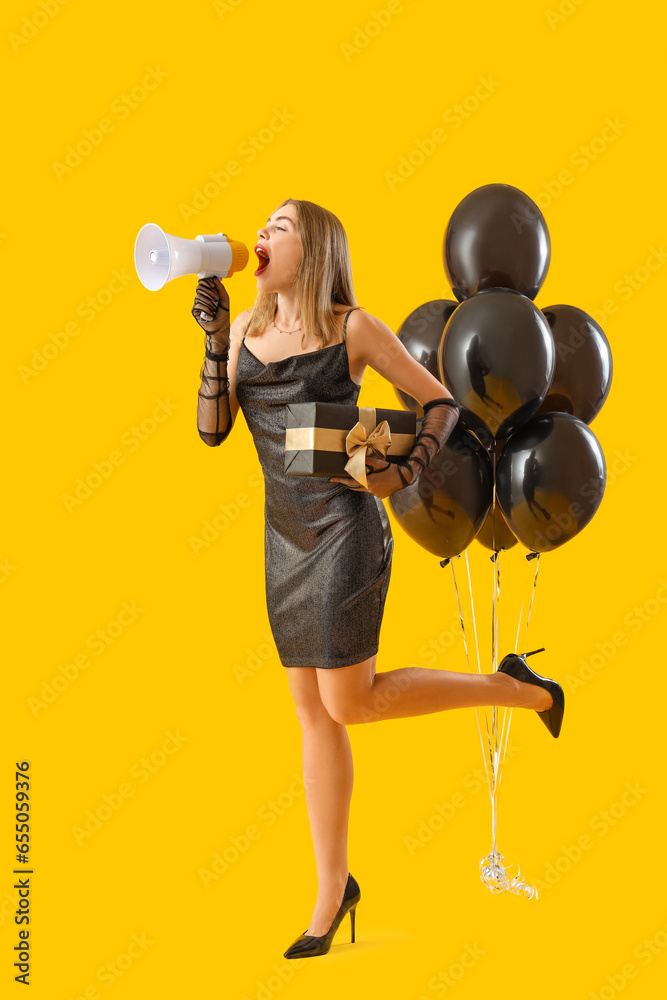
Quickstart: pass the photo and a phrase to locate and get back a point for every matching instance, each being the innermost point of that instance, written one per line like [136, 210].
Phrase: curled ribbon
[495, 877]
[358, 444]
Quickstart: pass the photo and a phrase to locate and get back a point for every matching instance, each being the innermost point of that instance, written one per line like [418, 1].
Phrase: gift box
[333, 439]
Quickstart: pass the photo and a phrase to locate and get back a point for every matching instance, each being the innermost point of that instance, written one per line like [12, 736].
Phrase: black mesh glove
[211, 311]
[440, 418]
[385, 478]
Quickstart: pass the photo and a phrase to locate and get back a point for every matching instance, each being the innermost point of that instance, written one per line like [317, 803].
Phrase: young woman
[328, 542]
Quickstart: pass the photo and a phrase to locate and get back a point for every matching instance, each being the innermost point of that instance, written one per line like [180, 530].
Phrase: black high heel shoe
[308, 944]
[516, 666]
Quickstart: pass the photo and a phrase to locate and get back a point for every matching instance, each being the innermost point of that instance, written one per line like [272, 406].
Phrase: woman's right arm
[217, 404]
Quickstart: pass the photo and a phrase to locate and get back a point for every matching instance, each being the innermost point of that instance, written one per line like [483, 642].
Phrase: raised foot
[536, 697]
[324, 913]
[525, 695]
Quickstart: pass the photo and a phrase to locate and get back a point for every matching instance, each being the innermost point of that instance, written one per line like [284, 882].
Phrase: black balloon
[496, 533]
[550, 479]
[582, 377]
[446, 505]
[421, 334]
[497, 358]
[496, 238]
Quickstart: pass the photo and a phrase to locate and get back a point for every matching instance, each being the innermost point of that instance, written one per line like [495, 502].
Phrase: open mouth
[263, 260]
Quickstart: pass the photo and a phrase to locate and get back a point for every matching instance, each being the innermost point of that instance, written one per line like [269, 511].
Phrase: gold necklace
[287, 331]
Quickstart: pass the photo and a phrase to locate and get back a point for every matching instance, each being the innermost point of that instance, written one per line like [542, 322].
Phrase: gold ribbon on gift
[364, 439]
[333, 439]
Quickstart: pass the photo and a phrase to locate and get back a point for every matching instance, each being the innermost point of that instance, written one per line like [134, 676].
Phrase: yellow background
[197, 661]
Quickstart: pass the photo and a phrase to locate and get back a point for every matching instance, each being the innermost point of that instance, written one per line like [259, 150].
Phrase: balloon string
[532, 596]
[458, 601]
[479, 670]
[518, 628]
[472, 606]
[491, 766]
[494, 666]
[465, 646]
[494, 717]
[505, 727]
[495, 616]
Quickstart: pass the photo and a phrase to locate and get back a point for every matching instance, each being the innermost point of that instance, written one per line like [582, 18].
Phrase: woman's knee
[311, 712]
[345, 710]
[345, 691]
[310, 709]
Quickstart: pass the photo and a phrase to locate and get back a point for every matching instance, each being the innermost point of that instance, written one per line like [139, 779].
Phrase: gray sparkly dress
[328, 548]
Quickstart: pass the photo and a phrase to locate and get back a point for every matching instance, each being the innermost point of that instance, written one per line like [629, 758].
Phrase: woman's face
[280, 240]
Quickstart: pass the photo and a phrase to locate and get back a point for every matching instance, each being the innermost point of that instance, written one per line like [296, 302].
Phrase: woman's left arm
[373, 341]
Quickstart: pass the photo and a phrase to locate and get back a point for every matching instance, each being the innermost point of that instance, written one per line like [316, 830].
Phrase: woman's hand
[382, 477]
[211, 309]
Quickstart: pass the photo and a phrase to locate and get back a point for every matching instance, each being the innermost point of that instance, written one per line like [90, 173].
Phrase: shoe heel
[515, 665]
[307, 945]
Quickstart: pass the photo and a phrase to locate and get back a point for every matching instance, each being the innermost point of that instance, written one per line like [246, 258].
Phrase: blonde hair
[323, 278]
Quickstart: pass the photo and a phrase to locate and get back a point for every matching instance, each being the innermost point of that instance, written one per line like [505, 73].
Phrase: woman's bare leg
[328, 778]
[358, 694]
[327, 700]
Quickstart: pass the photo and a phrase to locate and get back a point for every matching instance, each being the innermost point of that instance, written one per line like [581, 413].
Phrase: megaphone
[159, 256]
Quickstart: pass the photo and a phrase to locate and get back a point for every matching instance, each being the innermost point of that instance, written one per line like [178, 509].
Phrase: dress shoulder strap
[246, 329]
[346, 316]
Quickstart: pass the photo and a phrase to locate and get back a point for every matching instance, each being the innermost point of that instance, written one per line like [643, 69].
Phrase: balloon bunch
[529, 381]
[522, 464]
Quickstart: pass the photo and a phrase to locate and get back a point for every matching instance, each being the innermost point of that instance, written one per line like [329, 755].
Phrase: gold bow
[358, 444]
